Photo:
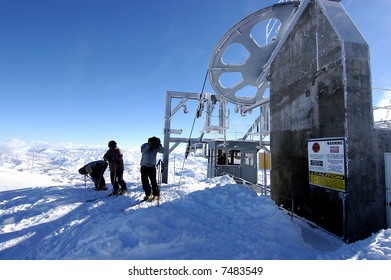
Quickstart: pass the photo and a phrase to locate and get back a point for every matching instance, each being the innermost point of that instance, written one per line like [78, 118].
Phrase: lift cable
[197, 115]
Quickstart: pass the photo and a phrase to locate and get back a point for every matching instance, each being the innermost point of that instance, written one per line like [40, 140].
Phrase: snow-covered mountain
[44, 214]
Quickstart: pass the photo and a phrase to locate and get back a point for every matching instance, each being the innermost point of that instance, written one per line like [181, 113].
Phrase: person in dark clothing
[148, 167]
[95, 171]
[116, 164]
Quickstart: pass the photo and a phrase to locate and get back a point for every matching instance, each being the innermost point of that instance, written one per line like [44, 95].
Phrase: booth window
[249, 158]
[221, 157]
[233, 157]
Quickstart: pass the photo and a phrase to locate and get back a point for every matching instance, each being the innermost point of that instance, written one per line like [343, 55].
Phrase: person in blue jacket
[148, 167]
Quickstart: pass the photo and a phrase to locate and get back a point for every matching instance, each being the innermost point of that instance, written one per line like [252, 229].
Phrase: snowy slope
[44, 214]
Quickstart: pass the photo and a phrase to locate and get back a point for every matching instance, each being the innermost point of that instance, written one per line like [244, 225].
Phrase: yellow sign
[333, 181]
[265, 161]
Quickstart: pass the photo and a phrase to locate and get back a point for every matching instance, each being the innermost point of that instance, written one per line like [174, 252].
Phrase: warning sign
[326, 163]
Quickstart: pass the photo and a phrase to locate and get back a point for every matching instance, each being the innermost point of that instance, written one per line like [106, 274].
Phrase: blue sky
[88, 71]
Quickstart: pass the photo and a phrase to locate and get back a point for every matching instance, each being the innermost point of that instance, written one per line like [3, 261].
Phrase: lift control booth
[236, 158]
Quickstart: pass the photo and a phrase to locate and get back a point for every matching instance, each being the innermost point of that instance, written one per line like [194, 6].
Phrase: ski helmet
[112, 144]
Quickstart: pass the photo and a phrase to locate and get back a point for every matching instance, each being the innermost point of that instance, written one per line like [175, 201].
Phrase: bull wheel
[237, 68]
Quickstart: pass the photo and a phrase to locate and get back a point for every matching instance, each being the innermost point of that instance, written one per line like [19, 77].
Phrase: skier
[116, 164]
[148, 167]
[95, 170]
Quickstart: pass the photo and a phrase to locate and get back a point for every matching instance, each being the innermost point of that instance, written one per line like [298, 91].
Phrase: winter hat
[82, 171]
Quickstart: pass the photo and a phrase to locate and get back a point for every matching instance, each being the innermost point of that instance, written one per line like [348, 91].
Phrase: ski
[97, 198]
[160, 168]
[137, 203]
[134, 205]
[102, 197]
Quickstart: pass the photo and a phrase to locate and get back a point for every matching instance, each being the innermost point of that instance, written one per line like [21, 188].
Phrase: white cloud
[382, 105]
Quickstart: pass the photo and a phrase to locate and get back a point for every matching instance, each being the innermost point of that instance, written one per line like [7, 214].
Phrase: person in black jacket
[148, 167]
[116, 164]
[95, 171]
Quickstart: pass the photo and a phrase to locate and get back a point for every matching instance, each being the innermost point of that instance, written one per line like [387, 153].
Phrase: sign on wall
[326, 163]
[265, 161]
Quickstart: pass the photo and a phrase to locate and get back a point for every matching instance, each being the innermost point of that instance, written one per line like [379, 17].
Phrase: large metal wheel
[238, 65]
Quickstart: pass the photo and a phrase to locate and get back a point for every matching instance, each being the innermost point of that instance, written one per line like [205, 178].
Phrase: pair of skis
[102, 197]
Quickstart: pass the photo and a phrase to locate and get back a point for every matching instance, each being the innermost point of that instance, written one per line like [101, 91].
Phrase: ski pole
[161, 168]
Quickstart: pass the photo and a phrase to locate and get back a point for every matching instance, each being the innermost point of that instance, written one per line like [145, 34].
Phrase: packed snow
[46, 214]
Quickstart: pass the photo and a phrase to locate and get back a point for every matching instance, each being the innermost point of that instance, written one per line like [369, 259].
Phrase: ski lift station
[309, 78]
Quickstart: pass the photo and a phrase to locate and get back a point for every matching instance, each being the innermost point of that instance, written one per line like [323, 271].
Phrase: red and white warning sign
[326, 163]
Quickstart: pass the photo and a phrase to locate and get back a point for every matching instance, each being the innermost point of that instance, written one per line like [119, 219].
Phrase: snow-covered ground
[44, 214]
